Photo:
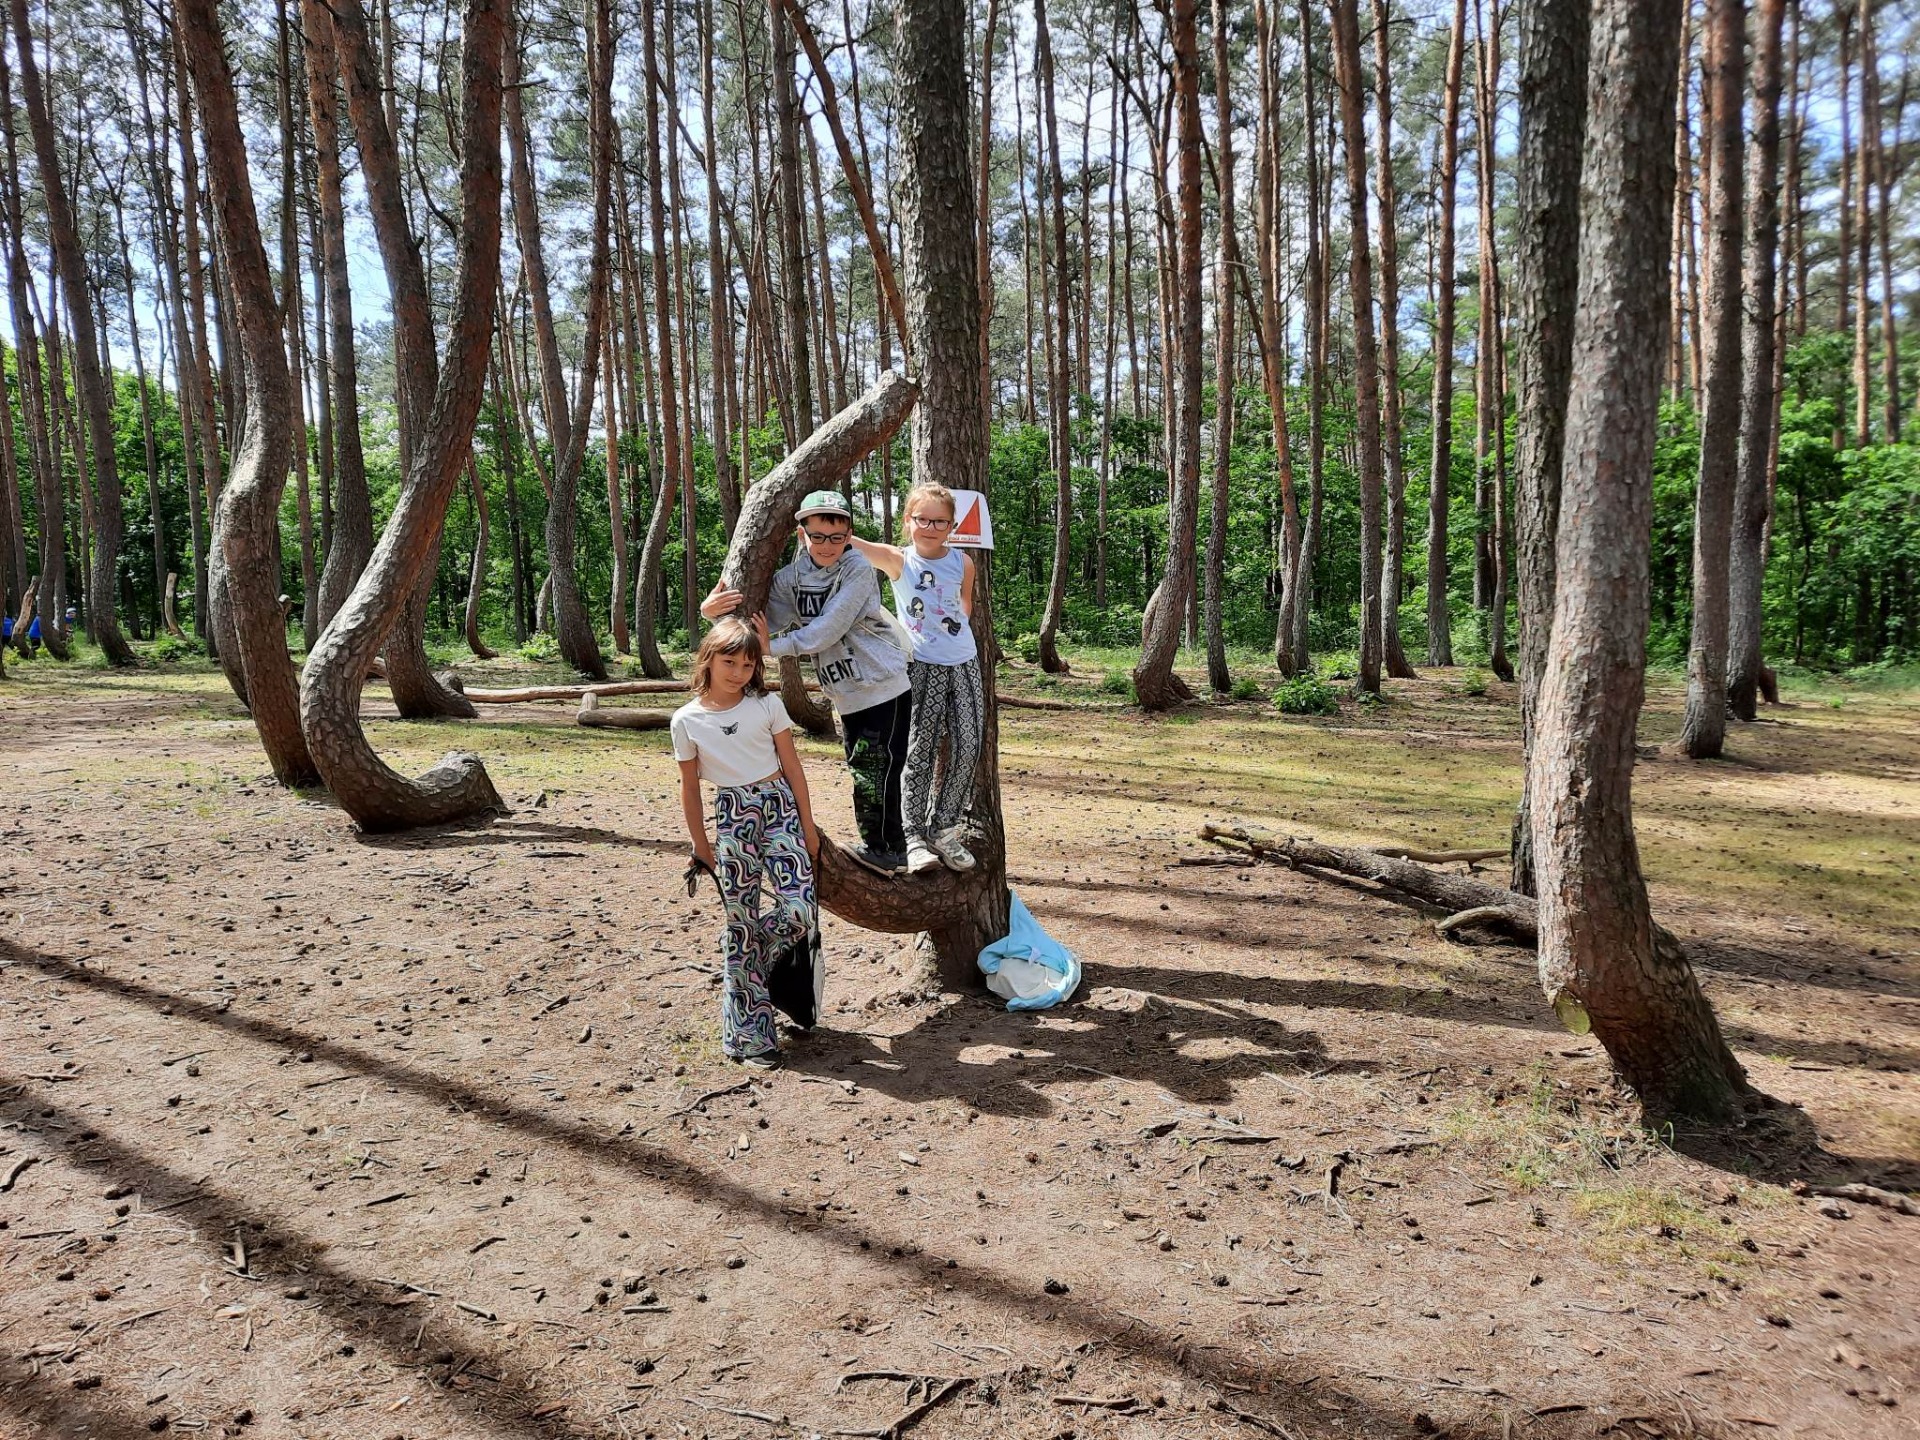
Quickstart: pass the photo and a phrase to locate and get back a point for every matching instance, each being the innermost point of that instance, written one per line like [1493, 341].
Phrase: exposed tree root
[1478, 915]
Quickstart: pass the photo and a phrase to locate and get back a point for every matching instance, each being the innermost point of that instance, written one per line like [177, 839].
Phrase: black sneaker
[881, 862]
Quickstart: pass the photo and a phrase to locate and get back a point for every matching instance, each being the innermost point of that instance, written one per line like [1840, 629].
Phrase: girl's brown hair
[925, 491]
[730, 636]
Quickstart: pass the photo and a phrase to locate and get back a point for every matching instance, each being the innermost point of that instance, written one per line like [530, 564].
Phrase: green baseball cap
[823, 502]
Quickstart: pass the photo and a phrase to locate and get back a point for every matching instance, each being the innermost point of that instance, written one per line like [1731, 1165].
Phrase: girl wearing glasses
[826, 607]
[933, 591]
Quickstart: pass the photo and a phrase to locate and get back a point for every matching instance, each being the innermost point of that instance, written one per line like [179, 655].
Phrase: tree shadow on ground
[1285, 1394]
[513, 831]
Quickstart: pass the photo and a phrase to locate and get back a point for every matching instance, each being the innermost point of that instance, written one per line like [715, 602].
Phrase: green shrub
[1247, 688]
[1474, 682]
[1046, 682]
[1027, 647]
[1307, 695]
[171, 649]
[541, 646]
[1117, 682]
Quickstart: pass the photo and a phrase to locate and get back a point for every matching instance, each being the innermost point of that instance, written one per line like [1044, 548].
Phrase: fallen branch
[907, 1419]
[1859, 1194]
[19, 1169]
[1489, 915]
[910, 1376]
[1098, 1402]
[574, 692]
[711, 1095]
[1247, 1417]
[1021, 702]
[592, 715]
[1437, 857]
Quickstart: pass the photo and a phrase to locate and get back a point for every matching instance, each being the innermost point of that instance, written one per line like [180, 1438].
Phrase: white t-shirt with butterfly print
[734, 746]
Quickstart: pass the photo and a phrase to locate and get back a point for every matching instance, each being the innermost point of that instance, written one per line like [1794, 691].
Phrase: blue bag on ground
[1028, 968]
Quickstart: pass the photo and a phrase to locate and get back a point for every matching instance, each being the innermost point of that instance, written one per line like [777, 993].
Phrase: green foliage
[1027, 646]
[1307, 694]
[1118, 682]
[1247, 688]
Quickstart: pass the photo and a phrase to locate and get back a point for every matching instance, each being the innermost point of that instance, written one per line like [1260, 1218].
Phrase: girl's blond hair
[731, 636]
[926, 490]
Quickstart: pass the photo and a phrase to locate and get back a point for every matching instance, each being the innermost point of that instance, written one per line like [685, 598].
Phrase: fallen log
[592, 715]
[1439, 857]
[573, 692]
[1020, 702]
[1455, 893]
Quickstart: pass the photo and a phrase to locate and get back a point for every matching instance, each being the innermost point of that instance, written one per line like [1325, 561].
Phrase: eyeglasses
[837, 537]
[929, 522]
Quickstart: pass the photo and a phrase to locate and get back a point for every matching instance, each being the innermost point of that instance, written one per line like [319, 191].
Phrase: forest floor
[310, 1133]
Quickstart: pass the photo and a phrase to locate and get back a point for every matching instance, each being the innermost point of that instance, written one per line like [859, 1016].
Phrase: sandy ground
[429, 1136]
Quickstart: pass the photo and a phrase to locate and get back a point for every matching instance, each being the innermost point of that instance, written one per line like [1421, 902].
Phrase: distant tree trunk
[1218, 678]
[1596, 941]
[1154, 680]
[983, 243]
[248, 524]
[720, 318]
[1392, 653]
[1703, 732]
[1346, 43]
[1300, 582]
[1759, 398]
[1488, 428]
[1271, 262]
[566, 419]
[33, 389]
[70, 261]
[1873, 144]
[1060, 368]
[295, 325]
[352, 540]
[646, 604]
[477, 570]
[1554, 38]
[793, 257]
[1440, 471]
[373, 794]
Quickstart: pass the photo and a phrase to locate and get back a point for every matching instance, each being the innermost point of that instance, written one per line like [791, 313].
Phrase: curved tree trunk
[1703, 732]
[376, 796]
[1440, 469]
[1597, 946]
[1553, 108]
[1153, 678]
[70, 262]
[249, 521]
[352, 538]
[1753, 498]
[1393, 653]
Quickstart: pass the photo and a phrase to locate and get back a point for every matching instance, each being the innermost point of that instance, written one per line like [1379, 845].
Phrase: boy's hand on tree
[760, 629]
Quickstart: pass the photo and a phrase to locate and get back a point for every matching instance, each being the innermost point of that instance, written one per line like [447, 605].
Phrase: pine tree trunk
[1704, 729]
[294, 324]
[793, 260]
[1346, 42]
[1154, 680]
[1752, 502]
[249, 521]
[1218, 678]
[94, 399]
[1554, 38]
[1393, 565]
[377, 797]
[352, 540]
[1596, 942]
[1060, 367]
[1440, 468]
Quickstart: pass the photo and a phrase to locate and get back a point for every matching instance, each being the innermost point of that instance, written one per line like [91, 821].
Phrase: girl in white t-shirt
[737, 738]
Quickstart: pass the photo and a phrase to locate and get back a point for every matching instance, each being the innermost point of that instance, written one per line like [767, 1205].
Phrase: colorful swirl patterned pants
[757, 834]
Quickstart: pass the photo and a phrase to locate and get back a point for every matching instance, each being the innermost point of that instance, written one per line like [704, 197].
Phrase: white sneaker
[920, 858]
[952, 853]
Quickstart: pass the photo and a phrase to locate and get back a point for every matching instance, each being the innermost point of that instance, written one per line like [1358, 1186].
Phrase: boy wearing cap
[826, 607]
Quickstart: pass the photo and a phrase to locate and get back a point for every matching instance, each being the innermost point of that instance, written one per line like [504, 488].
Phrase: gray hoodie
[834, 616]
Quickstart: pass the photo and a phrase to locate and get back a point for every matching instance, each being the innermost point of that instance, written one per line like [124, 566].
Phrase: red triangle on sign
[967, 527]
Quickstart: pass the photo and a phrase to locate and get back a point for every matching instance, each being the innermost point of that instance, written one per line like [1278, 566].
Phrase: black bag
[797, 980]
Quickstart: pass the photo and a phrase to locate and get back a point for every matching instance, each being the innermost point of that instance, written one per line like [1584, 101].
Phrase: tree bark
[477, 571]
[1218, 678]
[1060, 363]
[1154, 680]
[1554, 37]
[248, 522]
[1597, 948]
[372, 793]
[1704, 729]
[1346, 46]
[1759, 397]
[70, 261]
[1440, 470]
[1393, 565]
[793, 261]
[352, 540]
